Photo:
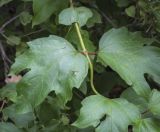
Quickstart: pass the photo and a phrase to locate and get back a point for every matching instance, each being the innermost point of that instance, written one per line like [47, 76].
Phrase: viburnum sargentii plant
[80, 66]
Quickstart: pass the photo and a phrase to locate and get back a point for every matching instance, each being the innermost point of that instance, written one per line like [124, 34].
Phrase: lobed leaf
[54, 65]
[131, 56]
[111, 115]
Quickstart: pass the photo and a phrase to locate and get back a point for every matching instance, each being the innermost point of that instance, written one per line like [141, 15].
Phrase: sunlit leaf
[71, 15]
[54, 65]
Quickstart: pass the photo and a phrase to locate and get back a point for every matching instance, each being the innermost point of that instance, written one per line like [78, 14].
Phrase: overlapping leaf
[9, 92]
[95, 19]
[73, 37]
[107, 115]
[54, 66]
[3, 2]
[130, 95]
[21, 120]
[43, 9]
[147, 125]
[25, 18]
[150, 106]
[131, 56]
[122, 3]
[154, 102]
[9, 127]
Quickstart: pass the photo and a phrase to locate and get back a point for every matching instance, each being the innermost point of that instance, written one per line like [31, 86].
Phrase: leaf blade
[126, 54]
[64, 69]
[43, 9]
[72, 15]
[95, 107]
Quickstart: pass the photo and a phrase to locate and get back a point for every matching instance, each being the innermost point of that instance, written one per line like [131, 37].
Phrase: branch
[4, 54]
[107, 18]
[2, 51]
[2, 106]
[89, 53]
[34, 32]
[1, 109]
[5, 59]
[71, 3]
[8, 22]
[94, 6]
[87, 56]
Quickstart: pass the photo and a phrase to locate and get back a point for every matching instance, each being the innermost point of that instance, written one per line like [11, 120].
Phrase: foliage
[80, 66]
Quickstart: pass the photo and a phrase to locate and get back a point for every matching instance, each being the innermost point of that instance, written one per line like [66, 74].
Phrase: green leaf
[157, 18]
[154, 102]
[125, 53]
[71, 15]
[99, 68]
[73, 38]
[131, 11]
[8, 127]
[22, 105]
[54, 66]
[21, 120]
[111, 115]
[95, 19]
[48, 110]
[147, 125]
[152, 105]
[4, 2]
[25, 18]
[122, 3]
[9, 92]
[132, 97]
[13, 40]
[58, 126]
[26, 0]
[65, 120]
[43, 9]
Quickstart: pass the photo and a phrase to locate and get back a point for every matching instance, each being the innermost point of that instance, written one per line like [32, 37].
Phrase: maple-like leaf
[54, 65]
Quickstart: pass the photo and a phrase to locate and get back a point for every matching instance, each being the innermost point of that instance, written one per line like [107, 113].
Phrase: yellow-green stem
[88, 58]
